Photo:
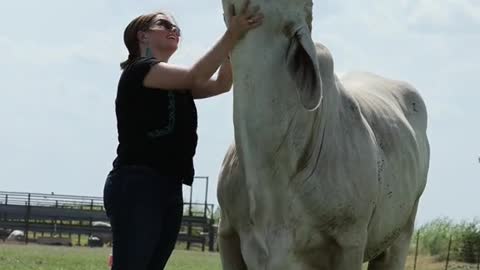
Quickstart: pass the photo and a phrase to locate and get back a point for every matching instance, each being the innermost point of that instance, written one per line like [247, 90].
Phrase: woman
[157, 121]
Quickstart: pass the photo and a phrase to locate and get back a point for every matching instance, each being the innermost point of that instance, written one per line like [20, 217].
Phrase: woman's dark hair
[130, 38]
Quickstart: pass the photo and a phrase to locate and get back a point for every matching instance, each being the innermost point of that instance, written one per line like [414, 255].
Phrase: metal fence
[443, 252]
[61, 216]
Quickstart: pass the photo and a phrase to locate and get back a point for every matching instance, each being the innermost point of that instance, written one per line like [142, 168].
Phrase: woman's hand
[247, 19]
[198, 78]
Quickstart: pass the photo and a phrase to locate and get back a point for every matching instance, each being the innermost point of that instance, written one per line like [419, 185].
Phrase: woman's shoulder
[138, 69]
[143, 62]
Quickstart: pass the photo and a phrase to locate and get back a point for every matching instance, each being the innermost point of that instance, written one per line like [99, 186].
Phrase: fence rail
[50, 200]
[65, 214]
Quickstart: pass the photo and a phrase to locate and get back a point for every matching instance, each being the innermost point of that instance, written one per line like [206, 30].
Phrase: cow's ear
[304, 69]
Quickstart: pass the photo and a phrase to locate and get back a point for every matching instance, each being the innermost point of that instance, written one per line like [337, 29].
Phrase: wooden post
[448, 252]
[78, 241]
[416, 251]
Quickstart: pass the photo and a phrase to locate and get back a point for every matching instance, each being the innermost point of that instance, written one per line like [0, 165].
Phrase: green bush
[469, 242]
[435, 237]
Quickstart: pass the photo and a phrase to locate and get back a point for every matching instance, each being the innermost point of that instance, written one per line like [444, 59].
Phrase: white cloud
[445, 13]
[396, 17]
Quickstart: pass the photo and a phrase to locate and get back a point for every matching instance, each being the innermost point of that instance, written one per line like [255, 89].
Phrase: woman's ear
[142, 37]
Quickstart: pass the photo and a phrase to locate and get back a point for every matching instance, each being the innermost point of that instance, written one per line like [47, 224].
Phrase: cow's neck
[275, 135]
[277, 140]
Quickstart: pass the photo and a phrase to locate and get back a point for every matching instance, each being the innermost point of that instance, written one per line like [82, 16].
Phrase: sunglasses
[162, 24]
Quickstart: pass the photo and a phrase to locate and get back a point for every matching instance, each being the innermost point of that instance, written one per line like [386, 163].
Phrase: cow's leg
[395, 256]
[342, 252]
[229, 244]
[230, 193]
[351, 253]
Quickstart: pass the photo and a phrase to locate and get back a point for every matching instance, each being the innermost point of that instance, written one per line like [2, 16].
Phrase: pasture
[21, 257]
[29, 257]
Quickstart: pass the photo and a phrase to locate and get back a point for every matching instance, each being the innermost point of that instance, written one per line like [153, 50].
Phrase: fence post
[416, 251]
[27, 219]
[211, 236]
[448, 252]
[190, 215]
[6, 203]
[190, 203]
[206, 199]
[189, 232]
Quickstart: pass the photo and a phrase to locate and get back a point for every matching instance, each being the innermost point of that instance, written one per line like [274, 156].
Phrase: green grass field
[21, 257]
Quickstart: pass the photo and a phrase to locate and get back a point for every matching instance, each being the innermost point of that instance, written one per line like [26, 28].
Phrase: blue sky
[60, 69]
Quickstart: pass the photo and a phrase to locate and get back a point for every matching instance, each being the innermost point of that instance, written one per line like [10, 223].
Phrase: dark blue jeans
[145, 211]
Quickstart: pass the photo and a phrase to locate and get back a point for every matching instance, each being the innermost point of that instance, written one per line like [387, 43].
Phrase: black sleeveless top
[156, 128]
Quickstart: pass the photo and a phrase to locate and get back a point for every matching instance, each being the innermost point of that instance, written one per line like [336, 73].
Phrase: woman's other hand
[248, 18]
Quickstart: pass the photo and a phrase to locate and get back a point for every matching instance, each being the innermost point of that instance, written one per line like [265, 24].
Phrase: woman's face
[163, 33]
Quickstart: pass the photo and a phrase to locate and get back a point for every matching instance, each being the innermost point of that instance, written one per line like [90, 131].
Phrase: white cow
[16, 236]
[105, 237]
[326, 173]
